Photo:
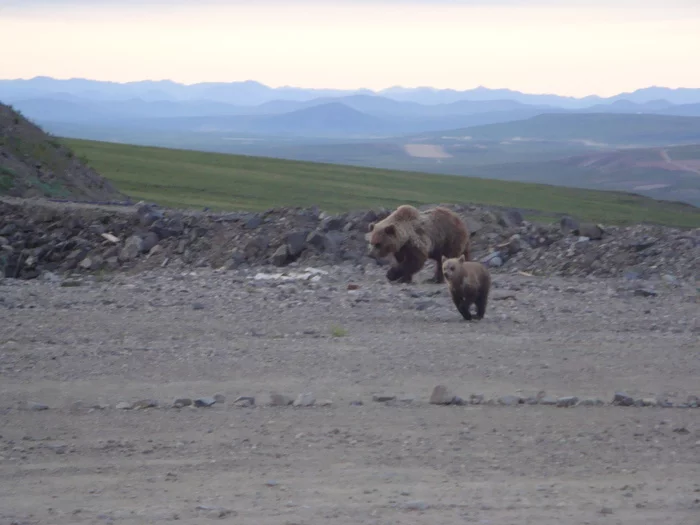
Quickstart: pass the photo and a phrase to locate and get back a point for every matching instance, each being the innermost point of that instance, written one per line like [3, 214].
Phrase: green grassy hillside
[226, 182]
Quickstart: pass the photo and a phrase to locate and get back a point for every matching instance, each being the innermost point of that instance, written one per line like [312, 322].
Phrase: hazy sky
[569, 47]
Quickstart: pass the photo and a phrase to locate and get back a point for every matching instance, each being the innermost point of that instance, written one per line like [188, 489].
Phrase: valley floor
[169, 334]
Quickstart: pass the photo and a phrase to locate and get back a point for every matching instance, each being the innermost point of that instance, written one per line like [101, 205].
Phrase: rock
[204, 402]
[548, 400]
[133, 246]
[476, 399]
[416, 505]
[280, 400]
[622, 399]
[510, 400]
[591, 402]
[512, 246]
[37, 407]
[649, 402]
[569, 401]
[306, 399]
[244, 401]
[123, 405]
[510, 219]
[296, 242]
[253, 222]
[645, 292]
[220, 398]
[281, 256]
[353, 286]
[693, 402]
[149, 242]
[182, 402]
[144, 403]
[383, 398]
[502, 295]
[441, 396]
[320, 241]
[332, 223]
[567, 225]
[593, 231]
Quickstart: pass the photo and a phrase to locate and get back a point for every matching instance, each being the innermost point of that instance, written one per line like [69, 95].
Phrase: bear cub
[469, 282]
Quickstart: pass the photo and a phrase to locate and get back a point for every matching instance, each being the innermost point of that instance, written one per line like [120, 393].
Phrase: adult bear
[413, 237]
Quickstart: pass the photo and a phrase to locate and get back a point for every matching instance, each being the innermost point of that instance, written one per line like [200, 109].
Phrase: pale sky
[567, 47]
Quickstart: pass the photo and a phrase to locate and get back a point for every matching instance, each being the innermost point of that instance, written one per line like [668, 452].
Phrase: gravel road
[77, 355]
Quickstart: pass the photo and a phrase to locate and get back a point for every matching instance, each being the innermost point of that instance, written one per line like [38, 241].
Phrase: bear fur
[413, 237]
[469, 282]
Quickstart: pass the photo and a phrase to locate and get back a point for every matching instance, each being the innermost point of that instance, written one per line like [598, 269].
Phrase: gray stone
[219, 398]
[569, 401]
[645, 292]
[133, 246]
[253, 222]
[149, 242]
[320, 241]
[622, 399]
[649, 402]
[280, 400]
[123, 405]
[204, 401]
[693, 402]
[31, 405]
[144, 403]
[510, 400]
[593, 231]
[281, 256]
[567, 225]
[510, 219]
[476, 399]
[441, 396]
[306, 399]
[383, 398]
[296, 242]
[244, 401]
[548, 400]
[182, 402]
[591, 402]
[416, 505]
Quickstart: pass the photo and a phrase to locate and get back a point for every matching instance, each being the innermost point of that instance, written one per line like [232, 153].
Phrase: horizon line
[377, 91]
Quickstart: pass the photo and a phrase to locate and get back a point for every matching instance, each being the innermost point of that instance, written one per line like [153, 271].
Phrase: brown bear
[469, 282]
[413, 237]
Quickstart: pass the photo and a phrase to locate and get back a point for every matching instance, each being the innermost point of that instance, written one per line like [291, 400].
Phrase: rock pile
[58, 238]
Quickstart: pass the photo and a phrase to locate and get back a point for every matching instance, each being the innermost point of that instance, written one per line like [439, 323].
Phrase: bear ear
[444, 259]
[462, 258]
[370, 227]
[390, 230]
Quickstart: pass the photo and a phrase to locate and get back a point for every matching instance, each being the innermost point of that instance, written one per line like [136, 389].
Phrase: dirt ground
[348, 459]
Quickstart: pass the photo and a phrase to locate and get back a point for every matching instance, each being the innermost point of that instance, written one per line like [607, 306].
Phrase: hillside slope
[181, 178]
[32, 164]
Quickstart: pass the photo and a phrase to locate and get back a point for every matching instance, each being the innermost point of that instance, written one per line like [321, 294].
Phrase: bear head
[383, 240]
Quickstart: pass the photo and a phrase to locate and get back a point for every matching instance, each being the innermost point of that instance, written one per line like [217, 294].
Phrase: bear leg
[481, 302]
[464, 310]
[410, 262]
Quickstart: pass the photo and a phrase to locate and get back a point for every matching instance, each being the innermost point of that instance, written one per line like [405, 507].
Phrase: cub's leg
[481, 302]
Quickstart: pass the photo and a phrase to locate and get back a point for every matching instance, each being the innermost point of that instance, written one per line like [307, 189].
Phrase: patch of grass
[195, 179]
[7, 179]
[338, 331]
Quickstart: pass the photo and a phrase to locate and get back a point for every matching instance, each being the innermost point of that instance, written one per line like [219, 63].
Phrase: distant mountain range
[251, 93]
[250, 108]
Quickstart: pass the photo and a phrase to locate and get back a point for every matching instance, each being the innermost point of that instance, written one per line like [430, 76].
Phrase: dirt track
[165, 335]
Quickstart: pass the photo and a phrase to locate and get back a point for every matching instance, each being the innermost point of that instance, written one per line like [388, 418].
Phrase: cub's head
[450, 267]
[383, 240]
